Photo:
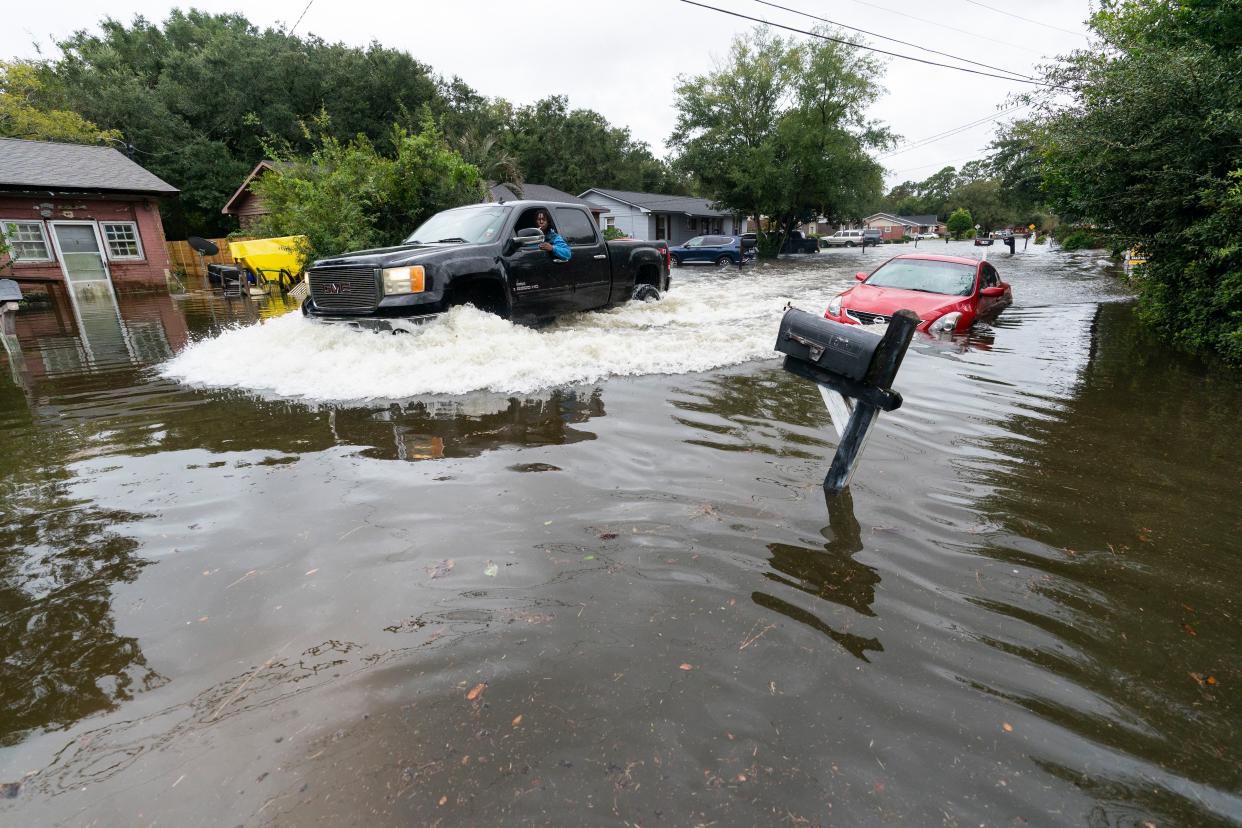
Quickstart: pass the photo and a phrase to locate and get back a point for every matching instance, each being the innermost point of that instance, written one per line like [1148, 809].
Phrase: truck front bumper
[374, 324]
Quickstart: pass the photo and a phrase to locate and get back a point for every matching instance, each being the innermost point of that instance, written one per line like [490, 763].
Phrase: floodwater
[259, 572]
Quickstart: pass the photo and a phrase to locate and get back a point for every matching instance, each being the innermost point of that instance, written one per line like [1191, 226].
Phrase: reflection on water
[1022, 613]
[829, 573]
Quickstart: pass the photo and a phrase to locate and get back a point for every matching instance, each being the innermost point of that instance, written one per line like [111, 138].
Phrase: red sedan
[947, 292]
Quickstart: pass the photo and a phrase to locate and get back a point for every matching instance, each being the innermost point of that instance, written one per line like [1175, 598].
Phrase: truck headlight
[834, 306]
[404, 279]
[945, 324]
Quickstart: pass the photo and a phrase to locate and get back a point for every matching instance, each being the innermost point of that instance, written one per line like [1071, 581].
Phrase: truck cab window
[527, 219]
[575, 226]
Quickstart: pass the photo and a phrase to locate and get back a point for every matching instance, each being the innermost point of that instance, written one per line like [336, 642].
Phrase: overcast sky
[622, 59]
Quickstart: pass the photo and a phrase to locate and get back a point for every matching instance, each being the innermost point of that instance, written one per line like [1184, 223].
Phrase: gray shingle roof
[921, 220]
[534, 192]
[44, 165]
[664, 203]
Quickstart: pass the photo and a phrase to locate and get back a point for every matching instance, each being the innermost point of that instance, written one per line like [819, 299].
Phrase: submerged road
[258, 572]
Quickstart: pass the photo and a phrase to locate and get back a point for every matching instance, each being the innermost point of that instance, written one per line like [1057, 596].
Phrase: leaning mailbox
[854, 370]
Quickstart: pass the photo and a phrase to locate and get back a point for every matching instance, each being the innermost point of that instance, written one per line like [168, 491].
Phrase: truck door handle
[601, 256]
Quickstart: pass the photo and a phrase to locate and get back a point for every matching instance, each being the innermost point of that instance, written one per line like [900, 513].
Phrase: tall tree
[200, 93]
[31, 108]
[779, 128]
[1150, 151]
[575, 149]
[349, 195]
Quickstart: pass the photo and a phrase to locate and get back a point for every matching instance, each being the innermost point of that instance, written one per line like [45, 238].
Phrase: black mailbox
[850, 361]
[830, 346]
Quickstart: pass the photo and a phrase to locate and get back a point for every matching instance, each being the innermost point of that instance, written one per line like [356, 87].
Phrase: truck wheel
[724, 261]
[849, 244]
[645, 293]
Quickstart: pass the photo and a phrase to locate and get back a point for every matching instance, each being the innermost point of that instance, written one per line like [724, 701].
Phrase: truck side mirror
[860, 276]
[527, 237]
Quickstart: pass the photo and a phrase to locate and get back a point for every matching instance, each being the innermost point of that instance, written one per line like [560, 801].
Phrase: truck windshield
[465, 225]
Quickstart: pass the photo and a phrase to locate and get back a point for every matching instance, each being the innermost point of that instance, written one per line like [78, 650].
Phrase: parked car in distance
[927, 236]
[717, 250]
[796, 242]
[842, 238]
[947, 292]
[853, 238]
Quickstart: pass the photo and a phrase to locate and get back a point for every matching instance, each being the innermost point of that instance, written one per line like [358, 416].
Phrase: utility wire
[892, 39]
[300, 16]
[1020, 17]
[907, 16]
[931, 139]
[867, 48]
[940, 164]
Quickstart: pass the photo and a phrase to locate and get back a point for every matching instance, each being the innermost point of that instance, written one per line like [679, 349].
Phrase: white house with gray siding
[651, 216]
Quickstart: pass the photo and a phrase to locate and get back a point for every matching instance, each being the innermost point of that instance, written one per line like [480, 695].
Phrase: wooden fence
[183, 257]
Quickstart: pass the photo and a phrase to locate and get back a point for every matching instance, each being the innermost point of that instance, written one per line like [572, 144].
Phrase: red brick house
[80, 214]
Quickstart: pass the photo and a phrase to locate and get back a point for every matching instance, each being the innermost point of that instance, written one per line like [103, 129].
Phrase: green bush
[613, 233]
[350, 196]
[1081, 239]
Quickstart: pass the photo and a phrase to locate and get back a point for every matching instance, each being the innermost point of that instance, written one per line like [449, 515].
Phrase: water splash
[707, 321]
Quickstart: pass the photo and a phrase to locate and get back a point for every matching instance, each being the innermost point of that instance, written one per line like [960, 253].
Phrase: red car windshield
[926, 276]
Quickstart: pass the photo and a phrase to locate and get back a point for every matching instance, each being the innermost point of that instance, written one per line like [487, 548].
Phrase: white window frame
[47, 242]
[103, 233]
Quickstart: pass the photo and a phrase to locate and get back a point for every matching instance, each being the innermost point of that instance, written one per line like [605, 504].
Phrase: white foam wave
[704, 322]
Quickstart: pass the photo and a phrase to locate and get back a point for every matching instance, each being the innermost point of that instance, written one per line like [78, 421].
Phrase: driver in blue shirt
[553, 242]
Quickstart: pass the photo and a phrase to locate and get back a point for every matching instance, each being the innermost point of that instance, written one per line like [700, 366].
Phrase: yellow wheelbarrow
[268, 262]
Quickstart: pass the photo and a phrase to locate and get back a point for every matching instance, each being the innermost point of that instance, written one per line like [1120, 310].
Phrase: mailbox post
[854, 370]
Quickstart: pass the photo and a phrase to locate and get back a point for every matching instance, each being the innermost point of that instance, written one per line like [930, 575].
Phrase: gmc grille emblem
[335, 288]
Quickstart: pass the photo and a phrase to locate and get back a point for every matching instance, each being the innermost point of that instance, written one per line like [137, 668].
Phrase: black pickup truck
[486, 255]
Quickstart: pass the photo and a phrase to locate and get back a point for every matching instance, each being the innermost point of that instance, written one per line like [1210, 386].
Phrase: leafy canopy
[348, 195]
[31, 109]
[1150, 151]
[779, 129]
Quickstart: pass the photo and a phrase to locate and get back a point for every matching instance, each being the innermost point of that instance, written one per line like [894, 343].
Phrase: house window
[122, 239]
[610, 221]
[26, 240]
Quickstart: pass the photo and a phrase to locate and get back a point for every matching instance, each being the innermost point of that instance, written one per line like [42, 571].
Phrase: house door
[81, 254]
[80, 251]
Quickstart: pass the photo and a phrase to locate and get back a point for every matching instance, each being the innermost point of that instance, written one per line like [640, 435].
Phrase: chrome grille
[864, 318]
[354, 289]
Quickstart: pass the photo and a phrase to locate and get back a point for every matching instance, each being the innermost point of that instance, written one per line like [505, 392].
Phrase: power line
[937, 23]
[1026, 19]
[300, 16]
[931, 139]
[892, 39]
[941, 164]
[867, 48]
